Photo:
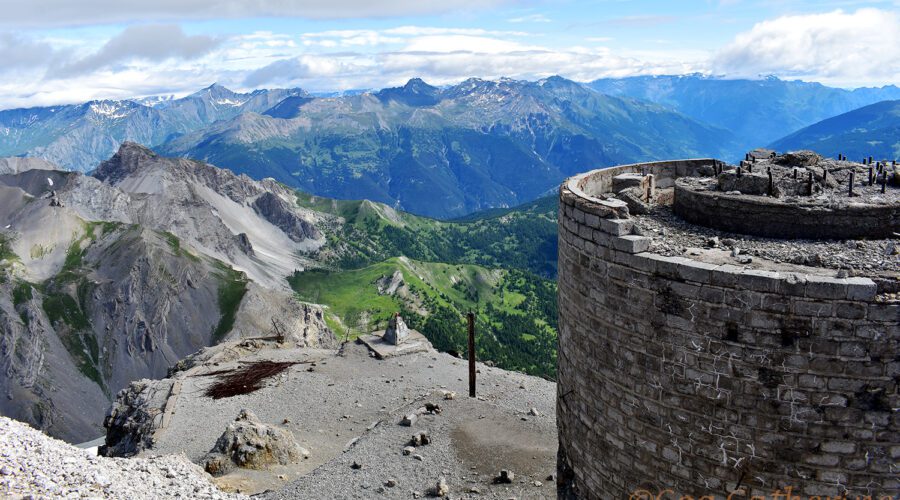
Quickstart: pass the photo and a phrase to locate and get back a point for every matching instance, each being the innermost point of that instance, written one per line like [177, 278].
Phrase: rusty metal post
[471, 355]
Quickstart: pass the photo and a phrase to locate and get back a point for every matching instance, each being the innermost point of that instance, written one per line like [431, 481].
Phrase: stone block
[824, 287]
[861, 289]
[812, 308]
[792, 284]
[632, 243]
[617, 227]
[759, 280]
[601, 238]
[850, 310]
[884, 312]
[699, 272]
[725, 275]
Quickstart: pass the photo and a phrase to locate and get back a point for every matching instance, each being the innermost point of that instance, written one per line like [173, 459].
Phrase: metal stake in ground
[850, 192]
[471, 355]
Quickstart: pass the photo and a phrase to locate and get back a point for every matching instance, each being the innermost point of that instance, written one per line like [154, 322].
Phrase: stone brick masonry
[706, 379]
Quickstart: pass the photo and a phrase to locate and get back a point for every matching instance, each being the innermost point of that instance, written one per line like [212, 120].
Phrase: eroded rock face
[250, 444]
[276, 211]
[134, 417]
[265, 312]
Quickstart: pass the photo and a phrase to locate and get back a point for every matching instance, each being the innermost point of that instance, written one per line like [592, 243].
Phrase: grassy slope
[496, 264]
[523, 237]
[515, 311]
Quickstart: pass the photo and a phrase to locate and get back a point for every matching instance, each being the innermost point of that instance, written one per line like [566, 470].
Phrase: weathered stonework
[709, 378]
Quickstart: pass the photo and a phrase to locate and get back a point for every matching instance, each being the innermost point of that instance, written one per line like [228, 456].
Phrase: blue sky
[62, 51]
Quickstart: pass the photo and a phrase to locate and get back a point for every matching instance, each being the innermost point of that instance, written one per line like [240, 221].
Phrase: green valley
[515, 311]
[499, 264]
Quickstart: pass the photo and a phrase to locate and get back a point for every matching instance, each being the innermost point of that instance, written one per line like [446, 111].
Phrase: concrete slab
[416, 342]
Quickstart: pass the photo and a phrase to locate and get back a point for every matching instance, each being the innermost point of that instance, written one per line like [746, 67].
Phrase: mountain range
[114, 276]
[872, 130]
[78, 137]
[757, 112]
[440, 152]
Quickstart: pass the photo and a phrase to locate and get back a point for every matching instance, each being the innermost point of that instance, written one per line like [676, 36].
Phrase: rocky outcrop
[250, 444]
[230, 217]
[269, 313]
[279, 213]
[134, 417]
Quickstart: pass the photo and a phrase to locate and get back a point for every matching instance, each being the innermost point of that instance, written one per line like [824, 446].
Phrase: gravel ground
[673, 236]
[353, 398]
[33, 465]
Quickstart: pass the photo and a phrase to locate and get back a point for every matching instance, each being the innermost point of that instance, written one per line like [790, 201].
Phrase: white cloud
[836, 47]
[144, 42]
[531, 18]
[18, 52]
[465, 43]
[48, 13]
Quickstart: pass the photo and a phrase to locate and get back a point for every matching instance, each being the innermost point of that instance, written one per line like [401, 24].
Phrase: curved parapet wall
[743, 214]
[705, 378]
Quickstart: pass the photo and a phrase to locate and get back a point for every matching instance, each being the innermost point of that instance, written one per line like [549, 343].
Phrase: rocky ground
[674, 236]
[33, 465]
[346, 408]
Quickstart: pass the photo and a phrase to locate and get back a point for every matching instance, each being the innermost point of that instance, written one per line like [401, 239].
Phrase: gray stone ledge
[632, 243]
[617, 227]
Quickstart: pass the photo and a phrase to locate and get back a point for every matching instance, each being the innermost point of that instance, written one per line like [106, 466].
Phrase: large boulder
[250, 444]
[134, 417]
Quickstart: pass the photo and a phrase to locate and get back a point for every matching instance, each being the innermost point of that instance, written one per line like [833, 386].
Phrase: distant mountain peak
[127, 159]
[415, 93]
[419, 86]
[215, 90]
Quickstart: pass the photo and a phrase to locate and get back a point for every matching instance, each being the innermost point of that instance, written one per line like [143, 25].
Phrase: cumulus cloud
[838, 46]
[448, 61]
[144, 42]
[84, 12]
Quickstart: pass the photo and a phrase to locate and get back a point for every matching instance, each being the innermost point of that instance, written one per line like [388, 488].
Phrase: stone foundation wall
[770, 217]
[706, 379]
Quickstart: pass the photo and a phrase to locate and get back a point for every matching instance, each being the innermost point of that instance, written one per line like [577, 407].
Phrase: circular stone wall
[776, 218]
[704, 379]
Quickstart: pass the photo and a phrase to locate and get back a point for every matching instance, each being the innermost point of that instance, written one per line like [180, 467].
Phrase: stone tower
[701, 354]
